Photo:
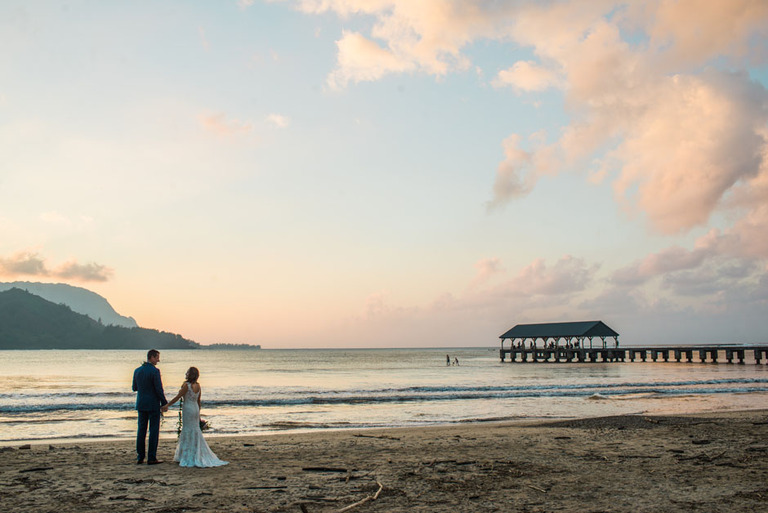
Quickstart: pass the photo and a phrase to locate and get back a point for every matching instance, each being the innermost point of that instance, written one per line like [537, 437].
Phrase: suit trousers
[153, 419]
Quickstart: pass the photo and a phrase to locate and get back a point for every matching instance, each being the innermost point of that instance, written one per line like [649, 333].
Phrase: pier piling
[678, 354]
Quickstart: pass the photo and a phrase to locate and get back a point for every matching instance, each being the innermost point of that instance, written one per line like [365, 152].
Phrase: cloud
[513, 176]
[675, 29]
[278, 120]
[219, 124]
[527, 76]
[657, 264]
[83, 272]
[62, 222]
[680, 133]
[691, 146]
[31, 264]
[361, 60]
[22, 263]
[569, 274]
[517, 174]
[656, 91]
[746, 237]
[203, 39]
[488, 267]
[425, 36]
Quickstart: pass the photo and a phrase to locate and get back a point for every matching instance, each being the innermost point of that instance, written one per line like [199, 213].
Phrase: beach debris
[25, 446]
[126, 498]
[702, 457]
[369, 498]
[137, 481]
[35, 469]
[536, 488]
[325, 469]
[437, 462]
[380, 437]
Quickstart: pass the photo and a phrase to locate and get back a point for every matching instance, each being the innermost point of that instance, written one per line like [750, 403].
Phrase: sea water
[64, 395]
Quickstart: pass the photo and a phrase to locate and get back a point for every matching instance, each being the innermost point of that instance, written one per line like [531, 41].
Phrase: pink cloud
[656, 264]
[31, 264]
[527, 76]
[83, 272]
[681, 139]
[23, 263]
[219, 124]
[427, 36]
[360, 60]
[676, 27]
[568, 275]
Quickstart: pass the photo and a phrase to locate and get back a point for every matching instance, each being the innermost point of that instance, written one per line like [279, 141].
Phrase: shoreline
[714, 461]
[511, 421]
[508, 421]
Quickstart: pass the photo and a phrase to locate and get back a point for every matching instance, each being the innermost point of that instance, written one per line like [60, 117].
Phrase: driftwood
[324, 469]
[126, 498]
[369, 498]
[537, 488]
[437, 462]
[704, 457]
[35, 469]
[380, 437]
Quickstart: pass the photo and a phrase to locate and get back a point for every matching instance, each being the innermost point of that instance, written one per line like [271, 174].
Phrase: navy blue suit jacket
[147, 382]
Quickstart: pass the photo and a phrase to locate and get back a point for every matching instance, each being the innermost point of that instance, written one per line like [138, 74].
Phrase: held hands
[164, 408]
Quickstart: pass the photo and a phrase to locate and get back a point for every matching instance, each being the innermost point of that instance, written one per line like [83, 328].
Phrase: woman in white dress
[192, 451]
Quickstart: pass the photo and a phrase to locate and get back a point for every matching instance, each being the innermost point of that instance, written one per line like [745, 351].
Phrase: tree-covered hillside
[30, 322]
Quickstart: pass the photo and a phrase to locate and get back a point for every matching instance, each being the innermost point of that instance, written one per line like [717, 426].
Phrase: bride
[192, 451]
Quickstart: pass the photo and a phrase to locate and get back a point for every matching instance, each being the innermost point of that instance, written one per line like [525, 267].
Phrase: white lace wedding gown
[193, 451]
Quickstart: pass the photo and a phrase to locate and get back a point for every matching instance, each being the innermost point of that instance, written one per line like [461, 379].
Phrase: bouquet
[178, 424]
[204, 424]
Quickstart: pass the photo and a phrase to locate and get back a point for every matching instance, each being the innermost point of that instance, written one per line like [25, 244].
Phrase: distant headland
[30, 321]
[231, 347]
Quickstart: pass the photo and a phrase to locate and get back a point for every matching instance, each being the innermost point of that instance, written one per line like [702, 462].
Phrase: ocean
[48, 396]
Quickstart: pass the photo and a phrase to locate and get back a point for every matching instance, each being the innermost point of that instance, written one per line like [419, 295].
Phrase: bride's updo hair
[193, 374]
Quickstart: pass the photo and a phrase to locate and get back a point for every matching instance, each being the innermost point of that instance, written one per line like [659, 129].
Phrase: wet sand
[705, 462]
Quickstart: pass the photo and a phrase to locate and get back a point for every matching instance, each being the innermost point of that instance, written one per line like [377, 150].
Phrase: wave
[64, 402]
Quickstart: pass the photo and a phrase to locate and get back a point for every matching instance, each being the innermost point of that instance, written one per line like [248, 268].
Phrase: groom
[150, 401]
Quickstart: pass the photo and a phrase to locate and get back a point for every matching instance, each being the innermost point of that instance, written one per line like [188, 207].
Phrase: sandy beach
[705, 462]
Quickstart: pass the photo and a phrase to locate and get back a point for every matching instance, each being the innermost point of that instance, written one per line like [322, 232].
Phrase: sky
[392, 173]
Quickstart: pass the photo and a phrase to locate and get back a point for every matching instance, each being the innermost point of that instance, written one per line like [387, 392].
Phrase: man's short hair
[152, 353]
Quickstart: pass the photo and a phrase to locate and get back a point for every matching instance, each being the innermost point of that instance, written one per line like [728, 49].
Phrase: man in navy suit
[150, 401]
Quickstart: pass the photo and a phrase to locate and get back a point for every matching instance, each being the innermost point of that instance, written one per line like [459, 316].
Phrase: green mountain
[80, 300]
[28, 321]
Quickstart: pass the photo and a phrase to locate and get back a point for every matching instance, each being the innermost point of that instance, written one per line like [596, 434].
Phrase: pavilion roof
[560, 329]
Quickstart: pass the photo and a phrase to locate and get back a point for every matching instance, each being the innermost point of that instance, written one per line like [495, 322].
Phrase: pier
[739, 354]
[575, 342]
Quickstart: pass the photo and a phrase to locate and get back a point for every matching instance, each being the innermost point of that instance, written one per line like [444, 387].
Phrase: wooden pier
[688, 354]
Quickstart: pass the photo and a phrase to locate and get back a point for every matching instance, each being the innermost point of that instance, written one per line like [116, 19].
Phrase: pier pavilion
[574, 333]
